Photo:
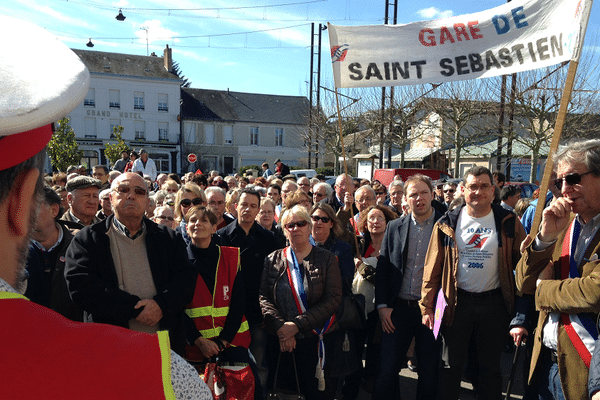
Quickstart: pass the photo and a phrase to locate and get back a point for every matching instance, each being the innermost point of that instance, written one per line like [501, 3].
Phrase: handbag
[351, 312]
[283, 394]
[229, 382]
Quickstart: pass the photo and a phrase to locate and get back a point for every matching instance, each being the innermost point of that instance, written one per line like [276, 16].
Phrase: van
[386, 175]
[309, 173]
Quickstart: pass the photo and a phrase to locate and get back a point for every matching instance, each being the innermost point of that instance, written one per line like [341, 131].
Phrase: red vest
[209, 311]
[47, 356]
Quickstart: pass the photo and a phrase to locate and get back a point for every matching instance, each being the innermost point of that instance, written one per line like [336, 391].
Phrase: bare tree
[461, 116]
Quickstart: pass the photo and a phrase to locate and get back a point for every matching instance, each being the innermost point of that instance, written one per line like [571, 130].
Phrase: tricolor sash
[296, 279]
[580, 328]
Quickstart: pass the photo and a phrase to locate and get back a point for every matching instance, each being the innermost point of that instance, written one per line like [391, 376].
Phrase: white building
[228, 130]
[141, 94]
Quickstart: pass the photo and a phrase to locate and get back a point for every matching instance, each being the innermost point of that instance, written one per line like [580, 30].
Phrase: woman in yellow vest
[216, 323]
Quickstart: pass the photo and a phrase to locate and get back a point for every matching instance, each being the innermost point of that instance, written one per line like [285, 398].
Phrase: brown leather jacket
[324, 290]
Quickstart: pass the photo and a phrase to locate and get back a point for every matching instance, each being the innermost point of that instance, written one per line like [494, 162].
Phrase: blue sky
[260, 46]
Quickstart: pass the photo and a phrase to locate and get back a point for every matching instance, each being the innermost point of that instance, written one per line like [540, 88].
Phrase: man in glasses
[164, 216]
[473, 251]
[398, 290]
[130, 272]
[566, 249]
[215, 197]
[449, 193]
[255, 243]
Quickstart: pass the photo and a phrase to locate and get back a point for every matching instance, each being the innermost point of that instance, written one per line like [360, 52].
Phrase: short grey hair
[327, 187]
[586, 152]
[215, 189]
[396, 182]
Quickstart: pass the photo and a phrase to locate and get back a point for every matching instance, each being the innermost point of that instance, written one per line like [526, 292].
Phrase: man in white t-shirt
[471, 257]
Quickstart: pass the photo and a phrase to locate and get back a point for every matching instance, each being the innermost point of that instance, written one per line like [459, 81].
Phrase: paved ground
[408, 382]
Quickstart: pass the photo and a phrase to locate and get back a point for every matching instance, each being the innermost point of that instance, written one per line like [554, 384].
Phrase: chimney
[168, 59]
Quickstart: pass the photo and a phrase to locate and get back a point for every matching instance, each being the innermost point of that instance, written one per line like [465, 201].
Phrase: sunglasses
[571, 179]
[449, 191]
[126, 189]
[187, 202]
[316, 218]
[292, 225]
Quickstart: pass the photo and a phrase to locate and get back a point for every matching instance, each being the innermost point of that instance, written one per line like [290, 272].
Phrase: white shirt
[149, 169]
[477, 242]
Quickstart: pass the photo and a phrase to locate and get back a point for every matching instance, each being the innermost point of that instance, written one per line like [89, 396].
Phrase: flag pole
[560, 121]
[558, 127]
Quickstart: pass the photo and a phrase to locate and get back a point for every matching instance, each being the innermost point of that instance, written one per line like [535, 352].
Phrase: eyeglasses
[164, 217]
[139, 191]
[316, 218]
[376, 219]
[292, 225]
[187, 202]
[304, 184]
[449, 191]
[474, 188]
[571, 179]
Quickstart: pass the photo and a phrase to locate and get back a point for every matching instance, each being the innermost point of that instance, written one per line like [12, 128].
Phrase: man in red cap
[65, 359]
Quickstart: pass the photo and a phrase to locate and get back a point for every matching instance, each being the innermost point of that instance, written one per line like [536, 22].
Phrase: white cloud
[434, 13]
[155, 32]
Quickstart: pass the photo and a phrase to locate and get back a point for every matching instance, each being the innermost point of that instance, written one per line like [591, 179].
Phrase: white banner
[514, 37]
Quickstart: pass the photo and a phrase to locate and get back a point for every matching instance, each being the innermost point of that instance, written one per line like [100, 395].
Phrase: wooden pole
[558, 127]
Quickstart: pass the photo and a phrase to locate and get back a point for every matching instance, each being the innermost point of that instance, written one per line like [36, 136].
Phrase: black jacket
[93, 284]
[392, 260]
[254, 247]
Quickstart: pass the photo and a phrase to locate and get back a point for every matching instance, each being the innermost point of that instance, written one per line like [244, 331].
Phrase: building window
[279, 137]
[89, 159]
[210, 163]
[254, 136]
[209, 134]
[228, 134]
[163, 131]
[162, 162]
[90, 98]
[114, 123]
[114, 99]
[138, 101]
[228, 165]
[163, 102]
[368, 142]
[90, 128]
[140, 130]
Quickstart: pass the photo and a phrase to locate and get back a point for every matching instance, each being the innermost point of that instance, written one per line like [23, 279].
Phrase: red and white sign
[514, 37]
[192, 158]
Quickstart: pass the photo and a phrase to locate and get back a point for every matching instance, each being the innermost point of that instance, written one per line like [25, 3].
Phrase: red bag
[229, 382]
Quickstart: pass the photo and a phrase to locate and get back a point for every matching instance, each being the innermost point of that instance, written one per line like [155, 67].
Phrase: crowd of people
[132, 279]
[279, 254]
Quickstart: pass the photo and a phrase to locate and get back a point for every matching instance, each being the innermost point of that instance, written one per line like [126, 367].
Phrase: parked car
[385, 176]
[527, 188]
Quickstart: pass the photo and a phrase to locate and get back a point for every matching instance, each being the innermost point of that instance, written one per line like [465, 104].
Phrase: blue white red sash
[580, 328]
[296, 280]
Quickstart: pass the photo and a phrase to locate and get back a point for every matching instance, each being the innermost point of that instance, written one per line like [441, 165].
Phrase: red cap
[14, 149]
